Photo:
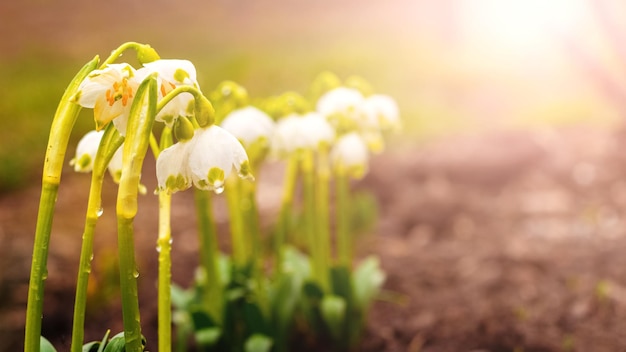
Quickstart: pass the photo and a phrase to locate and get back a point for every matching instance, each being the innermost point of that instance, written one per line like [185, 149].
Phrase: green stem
[111, 141]
[62, 125]
[320, 275]
[164, 247]
[212, 283]
[240, 245]
[144, 52]
[291, 175]
[253, 229]
[322, 199]
[140, 123]
[344, 240]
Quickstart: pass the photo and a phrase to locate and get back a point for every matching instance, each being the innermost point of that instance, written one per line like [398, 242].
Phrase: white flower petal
[350, 152]
[86, 151]
[248, 125]
[214, 155]
[385, 110]
[171, 167]
[340, 100]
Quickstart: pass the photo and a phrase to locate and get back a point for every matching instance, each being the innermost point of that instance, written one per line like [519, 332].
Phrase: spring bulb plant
[298, 277]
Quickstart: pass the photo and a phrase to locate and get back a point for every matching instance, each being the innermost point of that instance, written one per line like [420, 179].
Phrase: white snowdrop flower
[109, 91]
[316, 130]
[214, 154]
[350, 155]
[249, 125]
[383, 111]
[306, 131]
[340, 100]
[86, 151]
[287, 137]
[172, 167]
[171, 74]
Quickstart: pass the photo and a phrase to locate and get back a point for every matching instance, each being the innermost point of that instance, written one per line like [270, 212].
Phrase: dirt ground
[511, 241]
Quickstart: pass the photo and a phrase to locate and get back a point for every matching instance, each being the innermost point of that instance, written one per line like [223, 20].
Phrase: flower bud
[183, 129]
[146, 53]
[204, 111]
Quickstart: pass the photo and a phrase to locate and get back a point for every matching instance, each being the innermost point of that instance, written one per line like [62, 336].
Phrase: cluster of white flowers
[205, 160]
[346, 121]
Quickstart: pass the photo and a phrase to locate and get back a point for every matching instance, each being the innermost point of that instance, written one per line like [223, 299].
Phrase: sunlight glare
[522, 24]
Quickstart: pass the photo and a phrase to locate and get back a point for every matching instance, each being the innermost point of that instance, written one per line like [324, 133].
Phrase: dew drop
[171, 240]
[100, 212]
[219, 190]
[44, 276]
[136, 274]
[158, 248]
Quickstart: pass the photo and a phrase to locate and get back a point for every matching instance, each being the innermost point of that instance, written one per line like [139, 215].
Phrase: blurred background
[455, 67]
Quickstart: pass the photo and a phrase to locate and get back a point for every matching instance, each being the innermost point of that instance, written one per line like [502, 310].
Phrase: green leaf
[92, 346]
[367, 281]
[254, 318]
[208, 337]
[181, 298]
[313, 291]
[116, 344]
[45, 345]
[334, 312]
[258, 343]
[296, 263]
[202, 319]
[340, 279]
[104, 341]
[284, 296]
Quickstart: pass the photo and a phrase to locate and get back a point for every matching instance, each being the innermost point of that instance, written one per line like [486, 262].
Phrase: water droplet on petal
[219, 189]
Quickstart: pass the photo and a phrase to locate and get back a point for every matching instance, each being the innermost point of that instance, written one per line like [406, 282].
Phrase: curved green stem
[212, 283]
[111, 141]
[145, 53]
[140, 123]
[62, 125]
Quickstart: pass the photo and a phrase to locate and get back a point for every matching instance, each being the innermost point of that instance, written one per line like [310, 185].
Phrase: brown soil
[510, 241]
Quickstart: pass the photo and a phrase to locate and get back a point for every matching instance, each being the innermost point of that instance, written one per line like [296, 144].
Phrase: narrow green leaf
[45, 345]
[208, 337]
[258, 343]
[334, 312]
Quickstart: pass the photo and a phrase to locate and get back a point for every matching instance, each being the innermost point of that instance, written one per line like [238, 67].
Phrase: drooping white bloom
[205, 161]
[317, 130]
[383, 111]
[341, 100]
[306, 131]
[109, 92]
[86, 151]
[249, 125]
[171, 74]
[350, 155]
[215, 154]
[171, 167]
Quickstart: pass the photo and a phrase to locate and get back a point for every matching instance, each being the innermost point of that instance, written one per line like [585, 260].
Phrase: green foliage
[45, 345]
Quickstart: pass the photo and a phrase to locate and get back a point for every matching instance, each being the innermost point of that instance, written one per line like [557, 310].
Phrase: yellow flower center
[120, 91]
